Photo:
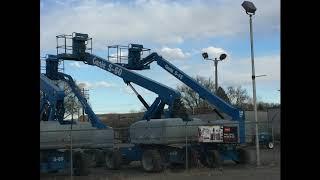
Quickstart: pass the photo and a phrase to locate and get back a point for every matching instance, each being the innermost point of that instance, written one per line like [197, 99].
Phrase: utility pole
[186, 146]
[222, 57]
[254, 94]
[216, 74]
[71, 153]
[250, 10]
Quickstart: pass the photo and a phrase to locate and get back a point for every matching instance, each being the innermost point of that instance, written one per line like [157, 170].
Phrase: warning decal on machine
[230, 134]
[210, 133]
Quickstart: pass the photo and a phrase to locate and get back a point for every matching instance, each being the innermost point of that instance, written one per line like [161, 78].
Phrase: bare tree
[192, 100]
[179, 110]
[71, 103]
[223, 95]
[238, 96]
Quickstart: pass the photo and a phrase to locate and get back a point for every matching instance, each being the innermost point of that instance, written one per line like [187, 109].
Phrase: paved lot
[269, 170]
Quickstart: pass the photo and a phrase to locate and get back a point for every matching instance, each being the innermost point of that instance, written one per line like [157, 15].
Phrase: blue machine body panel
[51, 90]
[56, 162]
[52, 98]
[265, 138]
[133, 153]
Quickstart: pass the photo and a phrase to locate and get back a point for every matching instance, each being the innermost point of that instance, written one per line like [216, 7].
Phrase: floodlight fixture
[205, 55]
[222, 56]
[249, 7]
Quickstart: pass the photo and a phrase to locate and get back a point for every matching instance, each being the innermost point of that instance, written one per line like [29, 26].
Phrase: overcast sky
[177, 30]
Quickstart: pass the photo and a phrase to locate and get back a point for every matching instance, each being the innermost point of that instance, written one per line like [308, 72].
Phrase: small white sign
[210, 133]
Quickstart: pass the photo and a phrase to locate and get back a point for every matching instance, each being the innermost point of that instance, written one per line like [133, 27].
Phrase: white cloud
[103, 84]
[185, 67]
[170, 39]
[127, 90]
[174, 53]
[233, 72]
[163, 22]
[85, 85]
[60, 3]
[75, 64]
[142, 91]
[240, 72]
[213, 52]
[95, 85]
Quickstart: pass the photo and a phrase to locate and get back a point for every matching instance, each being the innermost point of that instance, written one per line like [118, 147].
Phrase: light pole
[250, 10]
[222, 57]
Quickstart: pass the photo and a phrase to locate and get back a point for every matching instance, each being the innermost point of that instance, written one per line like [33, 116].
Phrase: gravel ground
[269, 169]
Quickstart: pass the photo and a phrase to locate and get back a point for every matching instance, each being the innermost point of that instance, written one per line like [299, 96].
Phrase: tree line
[235, 95]
[190, 102]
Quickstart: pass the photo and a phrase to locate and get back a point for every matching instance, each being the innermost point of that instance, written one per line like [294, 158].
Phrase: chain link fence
[268, 123]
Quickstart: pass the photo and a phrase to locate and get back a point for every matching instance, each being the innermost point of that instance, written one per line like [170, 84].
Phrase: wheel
[99, 158]
[203, 160]
[213, 159]
[192, 159]
[81, 162]
[243, 156]
[113, 159]
[151, 161]
[270, 145]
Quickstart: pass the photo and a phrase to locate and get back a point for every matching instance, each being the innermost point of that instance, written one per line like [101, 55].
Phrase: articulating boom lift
[55, 132]
[227, 149]
[135, 62]
[79, 52]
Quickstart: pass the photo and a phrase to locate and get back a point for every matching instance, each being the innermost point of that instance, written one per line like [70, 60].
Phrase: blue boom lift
[226, 151]
[54, 130]
[166, 95]
[155, 156]
[140, 64]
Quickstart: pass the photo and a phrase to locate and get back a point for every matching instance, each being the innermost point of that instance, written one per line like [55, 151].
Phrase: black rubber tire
[192, 155]
[244, 157]
[151, 161]
[113, 159]
[213, 159]
[100, 159]
[203, 161]
[81, 162]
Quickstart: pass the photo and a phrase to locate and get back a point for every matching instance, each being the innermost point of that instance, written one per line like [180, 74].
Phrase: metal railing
[119, 53]
[64, 44]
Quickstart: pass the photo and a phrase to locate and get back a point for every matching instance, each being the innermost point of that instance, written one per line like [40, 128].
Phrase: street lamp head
[205, 55]
[249, 7]
[222, 57]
